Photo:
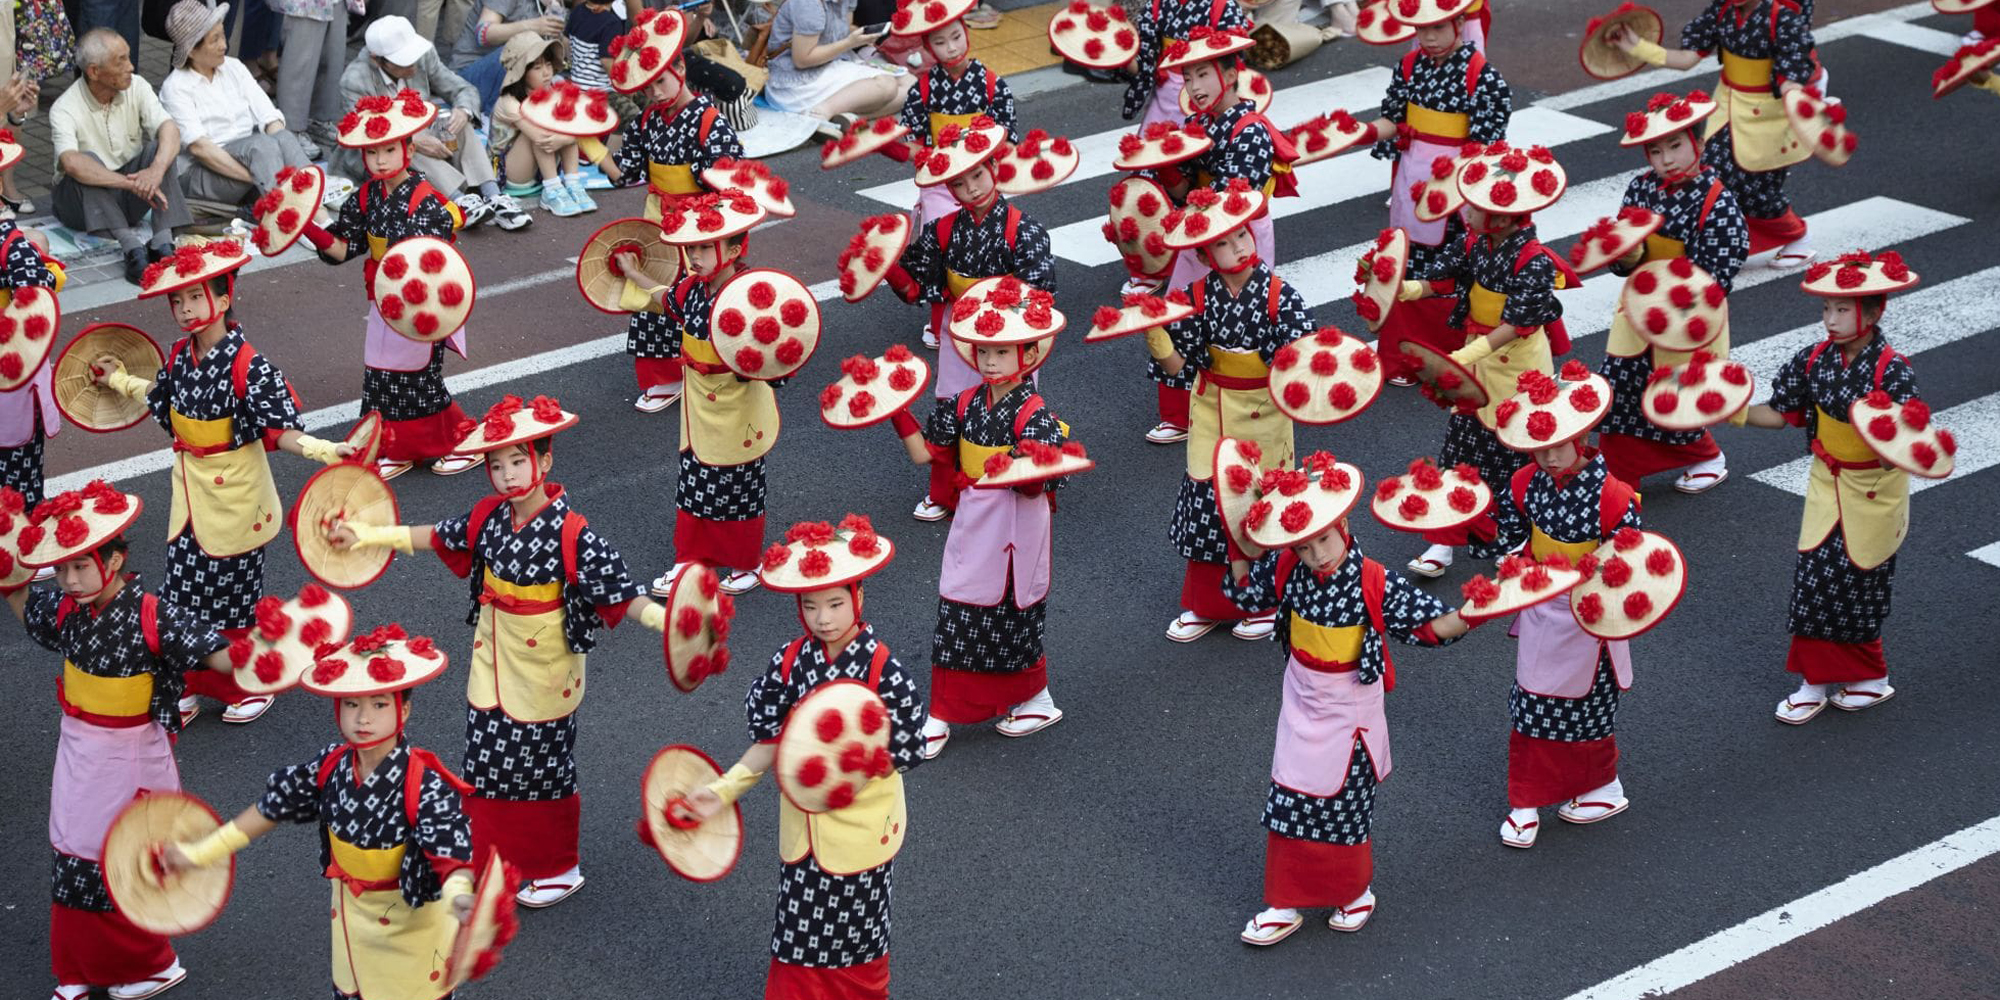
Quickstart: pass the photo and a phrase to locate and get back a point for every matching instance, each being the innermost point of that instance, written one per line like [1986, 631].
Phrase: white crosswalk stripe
[1976, 424]
[1988, 554]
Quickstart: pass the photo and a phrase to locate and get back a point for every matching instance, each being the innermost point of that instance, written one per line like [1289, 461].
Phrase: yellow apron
[1543, 546]
[239, 505]
[1748, 103]
[1870, 504]
[381, 947]
[866, 834]
[1324, 644]
[521, 663]
[111, 697]
[1497, 371]
[725, 420]
[672, 178]
[1243, 413]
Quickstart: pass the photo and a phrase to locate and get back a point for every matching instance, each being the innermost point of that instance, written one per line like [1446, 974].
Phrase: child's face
[666, 89]
[949, 44]
[369, 719]
[539, 74]
[974, 187]
[1004, 362]
[1672, 155]
[1207, 81]
[384, 159]
[829, 613]
[513, 469]
[1232, 250]
[1324, 552]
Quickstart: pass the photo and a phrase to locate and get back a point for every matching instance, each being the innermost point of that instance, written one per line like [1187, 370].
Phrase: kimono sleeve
[292, 794]
[39, 617]
[601, 572]
[769, 700]
[907, 715]
[24, 266]
[1407, 609]
[443, 831]
[1034, 263]
[1790, 395]
[350, 227]
[942, 429]
[631, 152]
[924, 260]
[1531, 296]
[1259, 587]
[1295, 320]
[267, 404]
[185, 638]
[1492, 107]
[1899, 379]
[1703, 32]
[1003, 108]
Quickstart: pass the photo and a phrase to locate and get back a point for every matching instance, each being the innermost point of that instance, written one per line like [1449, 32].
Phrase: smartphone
[875, 30]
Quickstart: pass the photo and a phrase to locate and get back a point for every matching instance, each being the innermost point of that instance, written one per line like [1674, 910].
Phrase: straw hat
[1239, 467]
[1138, 226]
[1966, 63]
[365, 437]
[640, 55]
[522, 52]
[1961, 6]
[1421, 13]
[1325, 377]
[599, 278]
[1037, 163]
[815, 555]
[1202, 44]
[142, 891]
[75, 523]
[488, 929]
[510, 422]
[287, 638]
[698, 852]
[11, 149]
[1097, 37]
[1512, 180]
[958, 149]
[1208, 216]
[1380, 274]
[1547, 411]
[284, 211]
[764, 324]
[1033, 462]
[708, 217]
[1138, 314]
[1821, 125]
[1606, 61]
[1629, 584]
[351, 492]
[1293, 505]
[28, 323]
[378, 119]
[188, 22]
[1437, 196]
[1613, 236]
[698, 615]
[1161, 144]
[1674, 305]
[1696, 394]
[1002, 311]
[871, 390]
[1447, 383]
[917, 18]
[1251, 86]
[1858, 273]
[1325, 136]
[833, 744]
[755, 179]
[424, 288]
[1520, 583]
[89, 405]
[871, 252]
[863, 138]
[13, 518]
[383, 661]
[192, 263]
[1376, 24]
[1665, 115]
[564, 108]
[1429, 500]
[1903, 435]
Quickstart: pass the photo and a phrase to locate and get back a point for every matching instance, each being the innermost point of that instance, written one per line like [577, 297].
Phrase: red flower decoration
[1297, 515]
[1616, 572]
[1637, 605]
[1541, 425]
[1660, 562]
[815, 564]
[386, 669]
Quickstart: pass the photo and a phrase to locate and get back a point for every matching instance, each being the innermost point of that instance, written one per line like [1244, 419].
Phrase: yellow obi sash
[1664, 248]
[1543, 546]
[365, 864]
[1484, 305]
[958, 284]
[1868, 500]
[111, 697]
[1745, 73]
[1323, 645]
[1841, 440]
[939, 121]
[672, 178]
[1444, 126]
[377, 246]
[239, 505]
[1237, 364]
[1233, 398]
[518, 597]
[699, 351]
[972, 457]
[202, 437]
[866, 834]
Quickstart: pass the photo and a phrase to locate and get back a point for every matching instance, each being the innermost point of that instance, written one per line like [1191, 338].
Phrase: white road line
[1988, 554]
[1783, 924]
[1359, 92]
[1976, 424]
[1916, 36]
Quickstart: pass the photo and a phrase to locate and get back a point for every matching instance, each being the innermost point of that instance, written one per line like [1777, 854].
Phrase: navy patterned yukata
[979, 249]
[1783, 35]
[23, 266]
[965, 95]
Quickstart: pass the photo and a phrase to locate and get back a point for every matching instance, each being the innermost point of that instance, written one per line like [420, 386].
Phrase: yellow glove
[393, 536]
[1411, 291]
[128, 385]
[734, 782]
[216, 847]
[1473, 353]
[1650, 53]
[62, 275]
[319, 449]
[1158, 344]
[1988, 81]
[654, 616]
[1632, 256]
[591, 148]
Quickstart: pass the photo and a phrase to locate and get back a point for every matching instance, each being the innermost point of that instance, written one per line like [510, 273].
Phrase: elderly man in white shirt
[233, 139]
[115, 146]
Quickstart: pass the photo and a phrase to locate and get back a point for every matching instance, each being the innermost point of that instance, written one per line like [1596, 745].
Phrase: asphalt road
[1117, 854]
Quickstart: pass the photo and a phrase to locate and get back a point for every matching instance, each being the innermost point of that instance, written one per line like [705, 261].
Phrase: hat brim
[298, 658]
[1606, 61]
[1323, 137]
[1393, 246]
[1515, 597]
[1438, 513]
[1015, 175]
[102, 528]
[1613, 237]
[1327, 506]
[1660, 323]
[1138, 319]
[401, 127]
[448, 319]
[213, 266]
[1234, 507]
[682, 651]
[1663, 592]
[1831, 144]
[598, 281]
[528, 429]
[1124, 199]
[1571, 424]
[702, 853]
[1659, 126]
[271, 238]
[847, 568]
[94, 407]
[1206, 51]
[351, 492]
[799, 743]
[1376, 25]
[581, 123]
[1251, 86]
[1362, 377]
[1969, 62]
[919, 25]
[167, 904]
[365, 437]
[1023, 471]
[1153, 154]
[737, 350]
[1453, 384]
[357, 681]
[890, 234]
[489, 927]
[1672, 406]
[1069, 33]
[960, 161]
[865, 138]
[744, 176]
[884, 402]
[1527, 201]
[31, 328]
[1900, 449]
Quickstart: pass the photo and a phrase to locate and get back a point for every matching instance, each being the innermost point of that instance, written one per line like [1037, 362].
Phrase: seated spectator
[476, 56]
[588, 33]
[534, 158]
[115, 146]
[233, 139]
[818, 74]
[450, 154]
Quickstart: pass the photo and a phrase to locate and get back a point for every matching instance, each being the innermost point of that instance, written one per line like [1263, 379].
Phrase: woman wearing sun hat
[831, 939]
[396, 843]
[1857, 506]
[27, 405]
[543, 583]
[404, 377]
[226, 406]
[126, 654]
[1339, 609]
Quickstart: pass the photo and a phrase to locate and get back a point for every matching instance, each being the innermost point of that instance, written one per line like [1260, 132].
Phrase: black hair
[518, 90]
[115, 545]
[1877, 304]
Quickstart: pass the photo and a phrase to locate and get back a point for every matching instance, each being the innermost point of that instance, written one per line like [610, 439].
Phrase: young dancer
[28, 413]
[1154, 95]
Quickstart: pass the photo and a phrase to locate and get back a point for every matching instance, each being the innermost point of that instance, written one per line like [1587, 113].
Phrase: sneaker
[556, 201]
[507, 214]
[594, 179]
[308, 147]
[580, 193]
[475, 209]
[152, 985]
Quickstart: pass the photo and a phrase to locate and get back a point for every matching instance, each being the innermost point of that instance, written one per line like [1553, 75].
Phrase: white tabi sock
[1809, 692]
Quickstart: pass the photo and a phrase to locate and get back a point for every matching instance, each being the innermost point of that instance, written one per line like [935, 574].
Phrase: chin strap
[103, 582]
[1249, 260]
[1221, 96]
[1835, 338]
[396, 709]
[402, 145]
[535, 480]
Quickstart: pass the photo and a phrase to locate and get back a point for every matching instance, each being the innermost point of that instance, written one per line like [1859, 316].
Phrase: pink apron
[992, 532]
[953, 374]
[18, 406]
[1557, 658]
[1415, 165]
[935, 202]
[390, 351]
[1321, 715]
[99, 771]
[1166, 105]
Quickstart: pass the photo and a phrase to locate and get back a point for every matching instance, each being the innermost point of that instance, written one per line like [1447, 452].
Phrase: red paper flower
[1660, 562]
[1637, 605]
[1616, 572]
[815, 564]
[385, 669]
[1297, 515]
[1541, 425]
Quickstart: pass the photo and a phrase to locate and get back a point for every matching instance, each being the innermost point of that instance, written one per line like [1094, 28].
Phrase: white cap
[393, 38]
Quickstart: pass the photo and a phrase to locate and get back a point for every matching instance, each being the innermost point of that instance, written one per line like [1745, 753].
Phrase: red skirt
[1769, 234]
[868, 981]
[87, 948]
[1427, 321]
[1820, 661]
[735, 544]
[424, 438]
[968, 696]
[1174, 405]
[1201, 592]
[1306, 873]
[1545, 772]
[539, 838]
[1632, 459]
[657, 371]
